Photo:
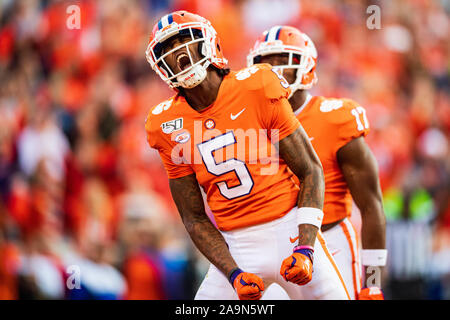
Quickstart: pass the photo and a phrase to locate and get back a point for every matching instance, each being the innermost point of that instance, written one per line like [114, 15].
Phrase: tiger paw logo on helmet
[199, 30]
[300, 48]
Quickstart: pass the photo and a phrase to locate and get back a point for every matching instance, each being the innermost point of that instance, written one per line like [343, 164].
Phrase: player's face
[179, 59]
[279, 60]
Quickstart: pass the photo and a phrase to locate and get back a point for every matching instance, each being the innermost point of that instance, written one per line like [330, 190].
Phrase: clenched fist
[298, 267]
[248, 286]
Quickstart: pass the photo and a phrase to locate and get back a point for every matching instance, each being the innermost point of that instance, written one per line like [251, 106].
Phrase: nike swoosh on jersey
[233, 117]
[311, 138]
[293, 239]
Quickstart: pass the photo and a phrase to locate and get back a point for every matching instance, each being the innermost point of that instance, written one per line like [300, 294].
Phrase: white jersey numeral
[283, 81]
[206, 150]
[364, 124]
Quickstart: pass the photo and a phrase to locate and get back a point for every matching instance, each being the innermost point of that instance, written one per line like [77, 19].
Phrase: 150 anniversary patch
[172, 125]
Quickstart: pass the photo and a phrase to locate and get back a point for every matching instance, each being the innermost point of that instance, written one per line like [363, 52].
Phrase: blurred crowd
[85, 209]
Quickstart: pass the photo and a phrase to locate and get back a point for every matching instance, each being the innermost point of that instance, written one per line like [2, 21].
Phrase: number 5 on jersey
[239, 167]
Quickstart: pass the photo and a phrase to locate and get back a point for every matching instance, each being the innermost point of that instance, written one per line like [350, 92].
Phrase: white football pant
[342, 241]
[261, 249]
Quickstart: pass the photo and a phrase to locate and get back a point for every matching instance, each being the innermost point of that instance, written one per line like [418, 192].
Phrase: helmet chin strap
[194, 76]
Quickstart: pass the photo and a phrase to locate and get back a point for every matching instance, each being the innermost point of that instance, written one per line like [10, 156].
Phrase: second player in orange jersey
[336, 128]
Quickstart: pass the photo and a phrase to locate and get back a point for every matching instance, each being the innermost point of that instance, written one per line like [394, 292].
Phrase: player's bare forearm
[188, 199]
[211, 243]
[298, 153]
[307, 234]
[361, 174]
[373, 226]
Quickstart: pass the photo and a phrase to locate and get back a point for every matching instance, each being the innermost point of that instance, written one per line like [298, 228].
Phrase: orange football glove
[248, 286]
[372, 293]
[298, 267]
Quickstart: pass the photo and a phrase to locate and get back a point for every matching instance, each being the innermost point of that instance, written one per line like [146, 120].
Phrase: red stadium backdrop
[85, 202]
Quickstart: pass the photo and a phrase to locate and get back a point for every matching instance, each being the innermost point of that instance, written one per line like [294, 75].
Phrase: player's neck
[203, 95]
[298, 99]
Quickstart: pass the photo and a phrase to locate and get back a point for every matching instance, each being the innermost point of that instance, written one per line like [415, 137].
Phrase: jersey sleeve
[151, 136]
[275, 85]
[351, 122]
[175, 169]
[172, 159]
[275, 109]
[282, 120]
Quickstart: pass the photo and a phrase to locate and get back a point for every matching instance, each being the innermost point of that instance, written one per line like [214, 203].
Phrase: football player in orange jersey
[336, 128]
[205, 135]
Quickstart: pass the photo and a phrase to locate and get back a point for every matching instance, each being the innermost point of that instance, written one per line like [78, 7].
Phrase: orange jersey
[229, 146]
[331, 124]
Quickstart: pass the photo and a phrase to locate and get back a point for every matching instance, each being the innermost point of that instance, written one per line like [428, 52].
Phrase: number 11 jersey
[229, 146]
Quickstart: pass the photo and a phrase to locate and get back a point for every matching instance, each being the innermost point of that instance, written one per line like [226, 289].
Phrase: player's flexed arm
[188, 199]
[296, 150]
[298, 153]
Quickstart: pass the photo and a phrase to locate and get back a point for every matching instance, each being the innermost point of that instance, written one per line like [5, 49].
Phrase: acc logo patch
[182, 137]
[172, 125]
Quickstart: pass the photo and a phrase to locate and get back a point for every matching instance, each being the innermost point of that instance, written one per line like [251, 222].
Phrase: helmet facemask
[304, 67]
[196, 72]
[301, 60]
